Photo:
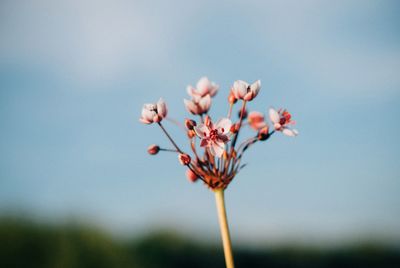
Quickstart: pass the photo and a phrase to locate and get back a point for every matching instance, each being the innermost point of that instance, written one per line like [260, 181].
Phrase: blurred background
[77, 188]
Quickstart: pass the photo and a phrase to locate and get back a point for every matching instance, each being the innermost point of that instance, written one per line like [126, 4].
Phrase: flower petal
[255, 88]
[148, 114]
[290, 132]
[274, 116]
[190, 106]
[202, 130]
[190, 90]
[162, 108]
[223, 125]
[240, 89]
[217, 149]
[203, 86]
[205, 103]
[213, 90]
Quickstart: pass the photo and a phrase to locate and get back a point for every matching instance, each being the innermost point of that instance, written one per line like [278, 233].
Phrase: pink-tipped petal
[274, 116]
[145, 121]
[202, 130]
[255, 88]
[205, 103]
[203, 143]
[214, 89]
[217, 149]
[190, 106]
[148, 114]
[240, 89]
[190, 90]
[289, 132]
[223, 125]
[162, 108]
[203, 86]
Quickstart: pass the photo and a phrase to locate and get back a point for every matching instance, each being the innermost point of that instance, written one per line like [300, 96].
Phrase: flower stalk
[224, 228]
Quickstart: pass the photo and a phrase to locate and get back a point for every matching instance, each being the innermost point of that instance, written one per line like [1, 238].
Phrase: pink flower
[214, 137]
[245, 91]
[203, 87]
[281, 120]
[256, 120]
[153, 112]
[198, 105]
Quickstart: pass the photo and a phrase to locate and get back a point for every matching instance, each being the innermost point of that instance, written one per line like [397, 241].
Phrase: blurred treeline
[27, 244]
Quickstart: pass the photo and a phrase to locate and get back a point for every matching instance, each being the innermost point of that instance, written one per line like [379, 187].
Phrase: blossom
[215, 136]
[198, 105]
[245, 91]
[281, 120]
[256, 120]
[154, 112]
[203, 87]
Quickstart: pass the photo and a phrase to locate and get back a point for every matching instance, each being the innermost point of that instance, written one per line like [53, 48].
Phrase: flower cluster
[216, 158]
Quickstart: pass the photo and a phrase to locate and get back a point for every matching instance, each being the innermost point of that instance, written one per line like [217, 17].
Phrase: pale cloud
[326, 42]
[94, 40]
[102, 41]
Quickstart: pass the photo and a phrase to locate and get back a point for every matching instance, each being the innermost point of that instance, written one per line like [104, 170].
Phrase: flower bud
[191, 134]
[244, 112]
[235, 128]
[153, 149]
[190, 124]
[263, 134]
[184, 159]
[231, 98]
[191, 176]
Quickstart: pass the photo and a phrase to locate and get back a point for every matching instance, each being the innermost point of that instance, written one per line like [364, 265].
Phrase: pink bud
[184, 159]
[153, 149]
[244, 112]
[235, 128]
[190, 124]
[263, 134]
[191, 176]
[231, 98]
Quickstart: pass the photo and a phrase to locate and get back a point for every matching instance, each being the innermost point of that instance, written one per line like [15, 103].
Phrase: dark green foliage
[26, 244]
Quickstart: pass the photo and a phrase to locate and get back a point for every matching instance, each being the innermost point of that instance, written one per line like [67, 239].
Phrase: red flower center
[213, 134]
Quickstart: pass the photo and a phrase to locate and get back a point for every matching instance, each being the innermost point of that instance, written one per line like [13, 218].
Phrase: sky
[75, 74]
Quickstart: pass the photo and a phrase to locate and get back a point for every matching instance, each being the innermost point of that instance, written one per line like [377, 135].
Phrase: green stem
[223, 224]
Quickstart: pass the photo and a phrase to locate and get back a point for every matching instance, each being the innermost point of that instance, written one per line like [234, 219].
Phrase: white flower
[214, 137]
[281, 119]
[153, 112]
[245, 91]
[198, 105]
[203, 87]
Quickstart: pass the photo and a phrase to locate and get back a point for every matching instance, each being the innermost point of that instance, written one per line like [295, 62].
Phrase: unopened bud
[191, 176]
[191, 134]
[184, 159]
[263, 134]
[235, 128]
[231, 98]
[153, 149]
[244, 112]
[190, 124]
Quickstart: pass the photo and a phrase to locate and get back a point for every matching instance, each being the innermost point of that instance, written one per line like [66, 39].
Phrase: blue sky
[74, 75]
